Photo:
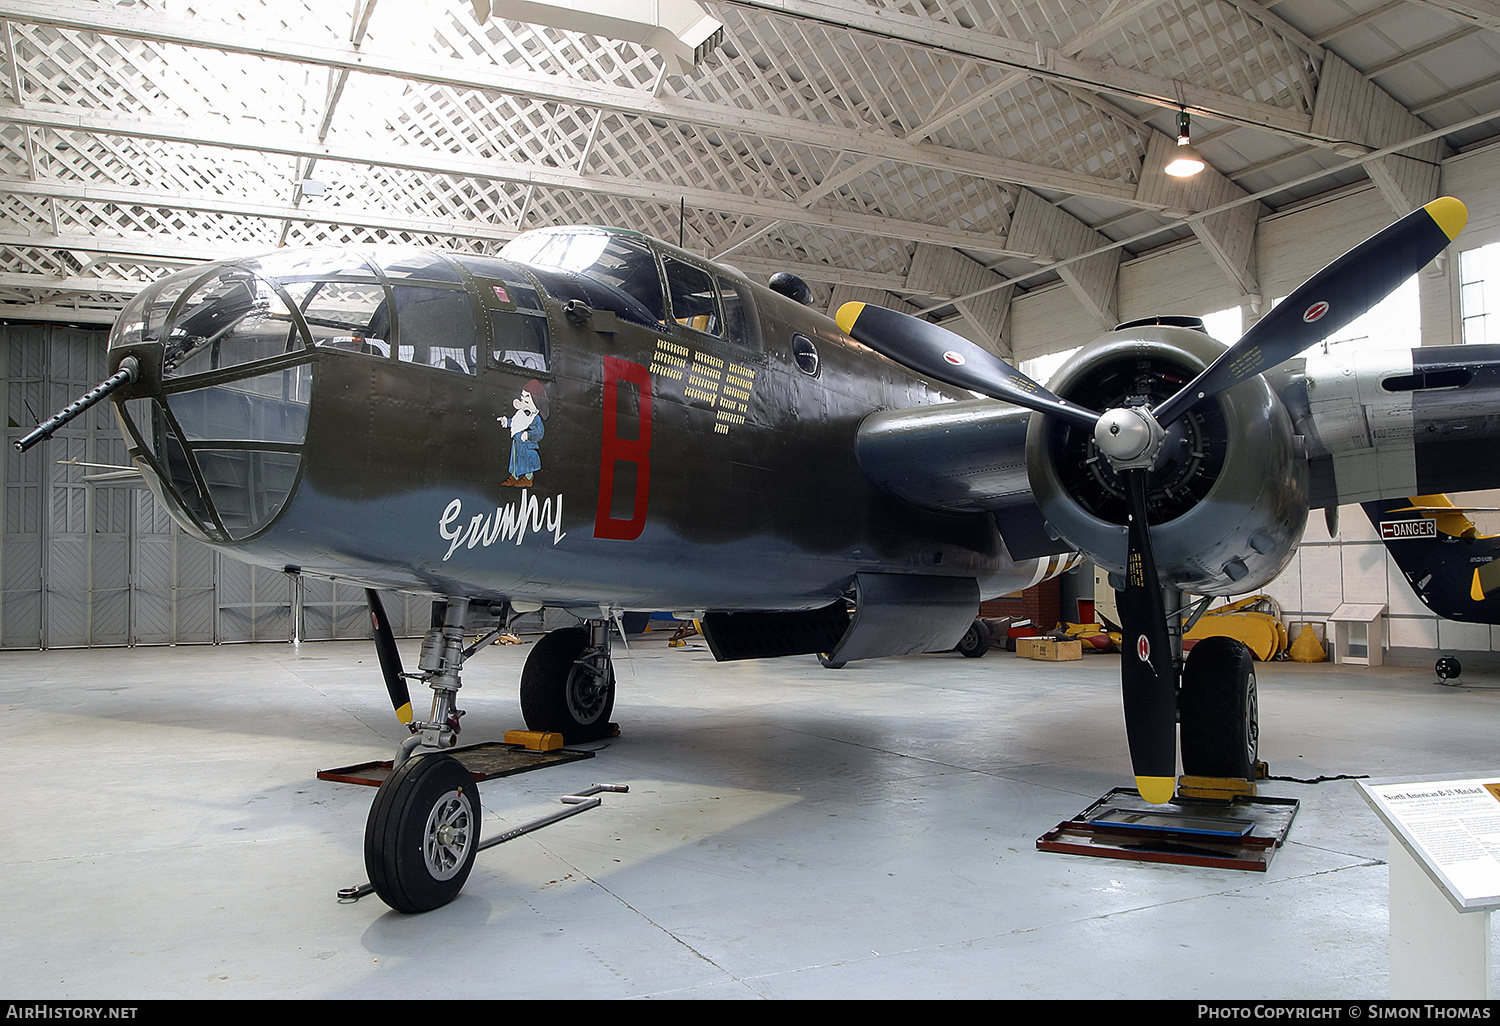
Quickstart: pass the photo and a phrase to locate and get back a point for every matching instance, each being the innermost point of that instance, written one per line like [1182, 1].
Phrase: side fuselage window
[695, 304]
[740, 325]
[435, 327]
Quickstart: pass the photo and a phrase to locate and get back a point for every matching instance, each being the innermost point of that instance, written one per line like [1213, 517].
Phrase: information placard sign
[1451, 828]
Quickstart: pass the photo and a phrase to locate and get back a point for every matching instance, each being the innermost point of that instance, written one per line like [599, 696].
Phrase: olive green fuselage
[637, 467]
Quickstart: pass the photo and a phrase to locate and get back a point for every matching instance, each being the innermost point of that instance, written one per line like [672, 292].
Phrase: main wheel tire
[561, 695]
[976, 640]
[1219, 711]
[423, 833]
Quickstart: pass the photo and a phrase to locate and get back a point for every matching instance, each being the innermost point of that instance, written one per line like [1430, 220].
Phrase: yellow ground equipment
[1255, 621]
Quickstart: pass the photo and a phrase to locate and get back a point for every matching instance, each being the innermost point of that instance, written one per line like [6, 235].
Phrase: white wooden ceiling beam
[86, 192]
[253, 137]
[1046, 63]
[1229, 236]
[137, 24]
[71, 283]
[826, 273]
[1351, 105]
[54, 312]
[1484, 13]
[944, 273]
[1053, 234]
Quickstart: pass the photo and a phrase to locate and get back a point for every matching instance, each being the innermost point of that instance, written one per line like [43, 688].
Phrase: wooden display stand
[1358, 634]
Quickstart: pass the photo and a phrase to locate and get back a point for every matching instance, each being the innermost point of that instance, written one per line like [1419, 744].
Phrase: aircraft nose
[219, 416]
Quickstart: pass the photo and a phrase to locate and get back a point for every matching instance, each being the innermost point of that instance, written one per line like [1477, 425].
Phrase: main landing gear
[1218, 711]
[568, 684]
[423, 829]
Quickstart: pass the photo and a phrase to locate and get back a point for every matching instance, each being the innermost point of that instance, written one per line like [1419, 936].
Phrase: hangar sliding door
[88, 557]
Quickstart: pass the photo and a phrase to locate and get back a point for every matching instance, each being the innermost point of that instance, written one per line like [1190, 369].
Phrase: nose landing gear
[423, 833]
[423, 829]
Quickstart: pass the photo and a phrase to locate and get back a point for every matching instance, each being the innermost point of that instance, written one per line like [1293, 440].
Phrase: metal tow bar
[583, 801]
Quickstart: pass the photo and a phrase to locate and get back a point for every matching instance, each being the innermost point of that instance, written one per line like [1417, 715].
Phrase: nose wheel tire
[423, 833]
[566, 688]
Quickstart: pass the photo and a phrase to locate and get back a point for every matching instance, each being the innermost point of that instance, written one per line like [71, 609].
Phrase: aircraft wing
[963, 457]
[1391, 424]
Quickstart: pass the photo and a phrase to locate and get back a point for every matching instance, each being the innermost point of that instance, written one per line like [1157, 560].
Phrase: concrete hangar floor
[790, 832]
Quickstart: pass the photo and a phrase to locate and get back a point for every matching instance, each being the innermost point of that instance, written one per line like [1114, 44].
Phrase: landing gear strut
[423, 829]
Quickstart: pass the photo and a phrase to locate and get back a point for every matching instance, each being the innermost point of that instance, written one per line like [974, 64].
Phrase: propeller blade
[937, 352]
[1328, 300]
[390, 659]
[1147, 673]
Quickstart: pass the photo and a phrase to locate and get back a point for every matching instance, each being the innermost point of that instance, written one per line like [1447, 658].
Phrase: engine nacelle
[1228, 496]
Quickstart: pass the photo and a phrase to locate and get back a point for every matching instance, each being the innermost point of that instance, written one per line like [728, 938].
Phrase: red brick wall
[1042, 603]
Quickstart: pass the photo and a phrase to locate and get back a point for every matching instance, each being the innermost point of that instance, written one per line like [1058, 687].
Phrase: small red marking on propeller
[1143, 648]
[956, 359]
[1314, 312]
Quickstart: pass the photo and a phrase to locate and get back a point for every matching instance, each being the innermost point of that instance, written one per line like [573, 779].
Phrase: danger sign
[1397, 530]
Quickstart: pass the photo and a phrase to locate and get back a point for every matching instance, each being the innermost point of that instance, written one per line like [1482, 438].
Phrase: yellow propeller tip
[403, 714]
[1156, 790]
[1450, 214]
[1476, 590]
[847, 315]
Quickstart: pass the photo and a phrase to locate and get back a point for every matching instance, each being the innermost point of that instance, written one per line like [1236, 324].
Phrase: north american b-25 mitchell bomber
[600, 422]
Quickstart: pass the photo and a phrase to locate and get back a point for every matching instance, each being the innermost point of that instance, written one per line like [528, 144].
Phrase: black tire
[976, 640]
[1219, 711]
[423, 833]
[561, 695]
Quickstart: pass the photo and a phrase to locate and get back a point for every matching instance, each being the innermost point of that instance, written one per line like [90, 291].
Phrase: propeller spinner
[1131, 437]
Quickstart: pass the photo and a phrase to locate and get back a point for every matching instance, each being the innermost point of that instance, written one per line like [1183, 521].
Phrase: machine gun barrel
[128, 372]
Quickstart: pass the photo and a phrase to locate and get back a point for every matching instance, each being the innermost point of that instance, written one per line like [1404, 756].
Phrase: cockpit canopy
[415, 306]
[621, 271]
[234, 344]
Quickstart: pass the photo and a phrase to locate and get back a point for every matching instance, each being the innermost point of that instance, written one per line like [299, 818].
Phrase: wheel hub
[587, 693]
[446, 840]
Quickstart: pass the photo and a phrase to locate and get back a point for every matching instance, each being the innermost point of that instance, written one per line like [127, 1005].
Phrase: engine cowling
[1228, 495]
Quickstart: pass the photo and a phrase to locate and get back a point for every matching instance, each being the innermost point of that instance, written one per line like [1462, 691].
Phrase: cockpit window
[435, 327]
[740, 323]
[352, 316]
[625, 266]
[695, 304]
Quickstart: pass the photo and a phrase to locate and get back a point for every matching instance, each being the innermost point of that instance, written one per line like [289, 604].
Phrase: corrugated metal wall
[100, 563]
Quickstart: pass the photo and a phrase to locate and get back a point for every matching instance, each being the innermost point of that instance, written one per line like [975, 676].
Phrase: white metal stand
[1436, 950]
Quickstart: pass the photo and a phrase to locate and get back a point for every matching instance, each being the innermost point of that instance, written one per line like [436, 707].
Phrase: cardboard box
[1050, 649]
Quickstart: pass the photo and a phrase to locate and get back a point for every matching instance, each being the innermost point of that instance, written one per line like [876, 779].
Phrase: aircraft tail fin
[1453, 568]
